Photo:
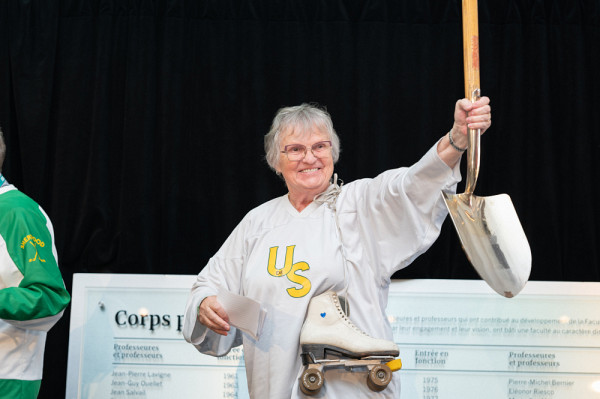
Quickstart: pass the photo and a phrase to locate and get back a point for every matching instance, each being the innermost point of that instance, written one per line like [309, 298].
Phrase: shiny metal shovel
[488, 227]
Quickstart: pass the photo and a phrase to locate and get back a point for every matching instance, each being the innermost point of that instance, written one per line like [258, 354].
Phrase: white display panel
[126, 342]
[457, 339]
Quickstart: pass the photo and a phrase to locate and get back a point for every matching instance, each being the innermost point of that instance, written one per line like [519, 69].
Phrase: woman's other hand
[213, 316]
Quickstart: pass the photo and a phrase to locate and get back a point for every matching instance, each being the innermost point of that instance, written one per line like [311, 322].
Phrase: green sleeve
[29, 243]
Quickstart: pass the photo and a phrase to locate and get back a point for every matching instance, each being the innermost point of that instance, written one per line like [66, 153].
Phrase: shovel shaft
[472, 86]
[470, 47]
[472, 160]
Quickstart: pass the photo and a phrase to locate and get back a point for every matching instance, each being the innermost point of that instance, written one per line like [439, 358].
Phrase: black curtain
[138, 125]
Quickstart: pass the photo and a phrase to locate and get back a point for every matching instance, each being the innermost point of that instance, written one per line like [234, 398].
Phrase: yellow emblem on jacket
[29, 239]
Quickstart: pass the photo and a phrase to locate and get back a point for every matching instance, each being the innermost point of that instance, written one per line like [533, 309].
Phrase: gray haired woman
[321, 239]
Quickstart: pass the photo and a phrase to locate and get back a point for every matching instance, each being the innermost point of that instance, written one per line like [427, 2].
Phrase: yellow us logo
[289, 270]
[35, 242]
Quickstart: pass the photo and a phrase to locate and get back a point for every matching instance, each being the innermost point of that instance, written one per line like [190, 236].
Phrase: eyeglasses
[297, 152]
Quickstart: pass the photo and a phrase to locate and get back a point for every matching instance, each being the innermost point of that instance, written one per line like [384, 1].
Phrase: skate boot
[330, 339]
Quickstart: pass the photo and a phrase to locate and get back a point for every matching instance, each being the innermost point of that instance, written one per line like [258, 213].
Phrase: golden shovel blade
[492, 237]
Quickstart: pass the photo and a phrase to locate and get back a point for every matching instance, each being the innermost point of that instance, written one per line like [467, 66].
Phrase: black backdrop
[138, 124]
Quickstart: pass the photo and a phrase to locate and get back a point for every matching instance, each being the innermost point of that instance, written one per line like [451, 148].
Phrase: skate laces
[329, 196]
[345, 317]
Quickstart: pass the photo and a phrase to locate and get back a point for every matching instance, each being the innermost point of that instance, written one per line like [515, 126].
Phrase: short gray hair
[304, 117]
[2, 149]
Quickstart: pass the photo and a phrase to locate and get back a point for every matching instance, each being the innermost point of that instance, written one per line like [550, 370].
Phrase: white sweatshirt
[282, 258]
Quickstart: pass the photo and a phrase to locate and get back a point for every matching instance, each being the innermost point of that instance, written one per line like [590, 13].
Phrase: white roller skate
[329, 339]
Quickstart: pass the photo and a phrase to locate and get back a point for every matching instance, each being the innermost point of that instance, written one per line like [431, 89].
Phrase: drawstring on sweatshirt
[329, 198]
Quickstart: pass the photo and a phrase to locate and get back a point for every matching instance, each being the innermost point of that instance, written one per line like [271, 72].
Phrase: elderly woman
[320, 238]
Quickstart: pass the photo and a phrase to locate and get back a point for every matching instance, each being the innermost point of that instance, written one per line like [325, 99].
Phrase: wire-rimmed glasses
[297, 152]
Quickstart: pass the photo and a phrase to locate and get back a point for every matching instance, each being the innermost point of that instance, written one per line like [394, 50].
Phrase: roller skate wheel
[395, 364]
[379, 377]
[311, 381]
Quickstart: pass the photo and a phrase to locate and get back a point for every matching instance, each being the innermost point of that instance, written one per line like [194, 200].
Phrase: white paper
[244, 313]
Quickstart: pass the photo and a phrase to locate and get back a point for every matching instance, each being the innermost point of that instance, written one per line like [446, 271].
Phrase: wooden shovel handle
[470, 47]
[472, 88]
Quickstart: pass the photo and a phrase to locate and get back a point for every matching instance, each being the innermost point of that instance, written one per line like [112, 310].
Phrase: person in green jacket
[32, 292]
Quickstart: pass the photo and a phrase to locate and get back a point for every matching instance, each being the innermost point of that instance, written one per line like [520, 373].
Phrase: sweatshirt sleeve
[33, 293]
[224, 270]
[400, 212]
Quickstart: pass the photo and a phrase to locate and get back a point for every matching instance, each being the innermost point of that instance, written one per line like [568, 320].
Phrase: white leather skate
[329, 339]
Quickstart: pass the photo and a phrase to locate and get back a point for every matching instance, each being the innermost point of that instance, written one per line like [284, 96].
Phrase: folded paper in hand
[244, 313]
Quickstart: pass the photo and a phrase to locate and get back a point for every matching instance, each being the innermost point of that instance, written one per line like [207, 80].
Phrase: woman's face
[311, 175]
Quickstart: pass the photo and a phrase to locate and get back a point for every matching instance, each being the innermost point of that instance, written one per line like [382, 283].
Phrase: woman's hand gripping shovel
[488, 227]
